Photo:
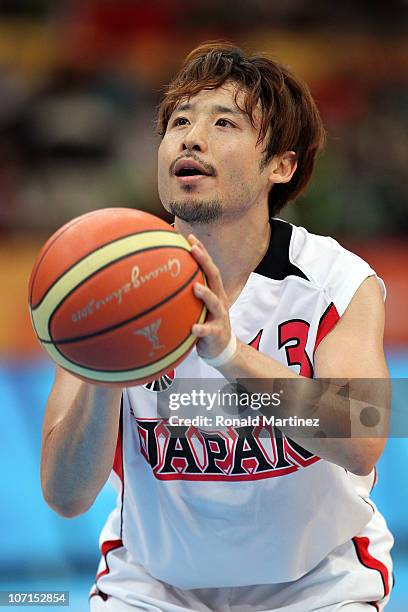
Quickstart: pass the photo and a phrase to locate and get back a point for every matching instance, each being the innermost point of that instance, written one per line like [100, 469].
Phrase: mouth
[191, 178]
[191, 171]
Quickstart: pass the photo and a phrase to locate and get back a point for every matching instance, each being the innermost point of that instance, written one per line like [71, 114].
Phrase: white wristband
[225, 355]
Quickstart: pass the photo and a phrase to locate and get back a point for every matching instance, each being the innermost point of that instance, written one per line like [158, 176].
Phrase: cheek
[161, 155]
[162, 164]
[240, 153]
[239, 166]
[162, 183]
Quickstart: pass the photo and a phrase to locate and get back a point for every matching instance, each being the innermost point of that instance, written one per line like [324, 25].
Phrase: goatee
[197, 212]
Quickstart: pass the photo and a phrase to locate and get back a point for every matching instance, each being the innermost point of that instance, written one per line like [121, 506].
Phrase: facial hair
[199, 212]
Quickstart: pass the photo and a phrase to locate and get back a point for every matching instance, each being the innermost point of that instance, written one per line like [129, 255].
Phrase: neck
[236, 246]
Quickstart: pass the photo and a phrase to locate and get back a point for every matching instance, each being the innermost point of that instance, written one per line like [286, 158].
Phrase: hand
[215, 333]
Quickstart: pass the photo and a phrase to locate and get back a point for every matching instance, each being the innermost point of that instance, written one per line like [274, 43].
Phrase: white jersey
[230, 508]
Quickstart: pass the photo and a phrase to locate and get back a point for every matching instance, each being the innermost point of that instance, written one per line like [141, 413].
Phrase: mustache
[207, 167]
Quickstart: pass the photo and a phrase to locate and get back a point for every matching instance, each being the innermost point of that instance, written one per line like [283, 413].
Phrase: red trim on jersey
[232, 477]
[327, 322]
[98, 593]
[255, 342]
[376, 606]
[107, 547]
[365, 557]
[117, 462]
[117, 466]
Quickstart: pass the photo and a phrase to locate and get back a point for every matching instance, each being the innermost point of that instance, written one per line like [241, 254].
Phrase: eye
[224, 123]
[180, 121]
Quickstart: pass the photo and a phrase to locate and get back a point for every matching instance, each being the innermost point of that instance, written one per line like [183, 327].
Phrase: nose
[194, 139]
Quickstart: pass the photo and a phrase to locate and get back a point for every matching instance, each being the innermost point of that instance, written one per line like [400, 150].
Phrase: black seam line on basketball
[110, 263]
[119, 258]
[147, 365]
[117, 325]
[122, 323]
[87, 255]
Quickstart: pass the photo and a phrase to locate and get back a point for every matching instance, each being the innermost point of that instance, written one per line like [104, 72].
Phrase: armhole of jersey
[338, 304]
[382, 286]
[327, 321]
[343, 298]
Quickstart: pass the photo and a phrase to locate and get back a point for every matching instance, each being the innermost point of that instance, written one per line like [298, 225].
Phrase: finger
[194, 240]
[209, 298]
[207, 263]
[210, 269]
[198, 246]
[202, 330]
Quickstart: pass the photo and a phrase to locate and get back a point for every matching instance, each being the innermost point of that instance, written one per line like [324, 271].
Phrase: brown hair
[288, 109]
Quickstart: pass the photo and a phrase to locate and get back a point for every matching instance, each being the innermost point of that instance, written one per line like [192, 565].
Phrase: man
[240, 518]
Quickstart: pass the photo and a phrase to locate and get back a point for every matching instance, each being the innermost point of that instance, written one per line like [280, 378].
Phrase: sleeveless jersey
[204, 509]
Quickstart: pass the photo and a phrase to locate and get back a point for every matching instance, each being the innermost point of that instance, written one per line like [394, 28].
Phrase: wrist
[226, 355]
[233, 368]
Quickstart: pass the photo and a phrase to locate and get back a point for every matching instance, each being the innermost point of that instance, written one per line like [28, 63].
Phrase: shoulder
[306, 260]
[321, 257]
[330, 266]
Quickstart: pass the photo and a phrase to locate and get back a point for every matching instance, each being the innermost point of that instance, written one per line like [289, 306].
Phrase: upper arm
[354, 347]
[354, 350]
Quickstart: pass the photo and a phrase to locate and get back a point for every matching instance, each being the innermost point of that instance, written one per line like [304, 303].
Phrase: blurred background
[79, 85]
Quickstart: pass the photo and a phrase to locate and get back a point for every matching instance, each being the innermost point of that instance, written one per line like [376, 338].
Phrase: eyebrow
[217, 108]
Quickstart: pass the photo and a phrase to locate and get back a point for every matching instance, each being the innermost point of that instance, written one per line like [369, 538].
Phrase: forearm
[79, 446]
[339, 436]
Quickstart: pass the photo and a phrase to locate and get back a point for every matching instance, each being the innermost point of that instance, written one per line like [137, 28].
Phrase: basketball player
[237, 518]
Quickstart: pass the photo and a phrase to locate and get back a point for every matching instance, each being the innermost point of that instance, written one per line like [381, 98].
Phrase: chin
[196, 211]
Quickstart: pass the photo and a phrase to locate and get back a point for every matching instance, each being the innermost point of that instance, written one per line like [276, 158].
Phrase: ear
[282, 167]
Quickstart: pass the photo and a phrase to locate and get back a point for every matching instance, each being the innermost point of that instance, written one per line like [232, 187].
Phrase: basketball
[111, 297]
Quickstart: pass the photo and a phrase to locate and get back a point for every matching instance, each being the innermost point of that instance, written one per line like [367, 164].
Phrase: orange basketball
[111, 297]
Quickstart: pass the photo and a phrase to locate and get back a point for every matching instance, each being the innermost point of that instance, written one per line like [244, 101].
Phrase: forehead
[229, 96]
